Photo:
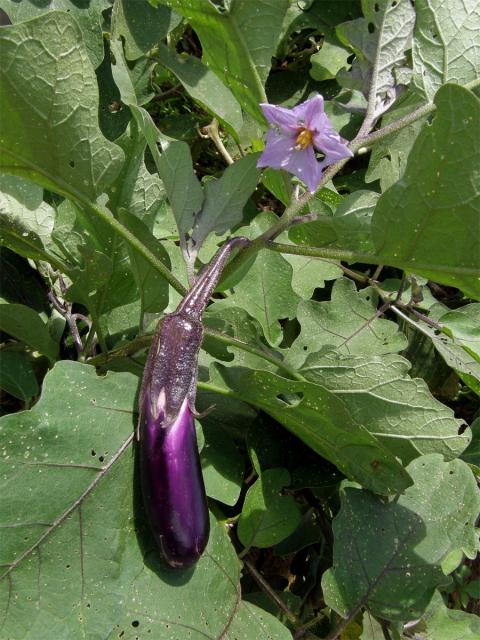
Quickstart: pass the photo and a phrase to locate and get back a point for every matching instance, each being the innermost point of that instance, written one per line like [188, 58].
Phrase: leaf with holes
[349, 322]
[74, 539]
[387, 555]
[380, 40]
[321, 420]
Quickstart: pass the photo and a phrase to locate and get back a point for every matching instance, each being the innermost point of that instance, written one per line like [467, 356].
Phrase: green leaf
[387, 555]
[26, 325]
[372, 630]
[380, 40]
[184, 191]
[398, 410]
[70, 521]
[204, 86]
[327, 62]
[251, 621]
[17, 376]
[26, 221]
[44, 135]
[348, 322]
[472, 452]
[389, 156]
[444, 46]
[152, 287]
[311, 273]
[238, 43]
[445, 495]
[88, 15]
[135, 188]
[225, 199]
[141, 25]
[347, 228]
[223, 465]
[442, 623]
[268, 516]
[440, 186]
[321, 420]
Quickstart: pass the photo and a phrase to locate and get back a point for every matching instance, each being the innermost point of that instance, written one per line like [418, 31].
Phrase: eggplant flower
[294, 137]
[172, 483]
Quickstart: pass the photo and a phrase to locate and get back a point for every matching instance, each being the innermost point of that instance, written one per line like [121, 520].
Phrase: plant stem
[322, 252]
[263, 584]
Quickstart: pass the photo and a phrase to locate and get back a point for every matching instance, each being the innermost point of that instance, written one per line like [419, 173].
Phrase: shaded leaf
[238, 42]
[17, 376]
[226, 198]
[141, 25]
[26, 325]
[268, 516]
[223, 465]
[204, 86]
[414, 225]
[387, 555]
[45, 76]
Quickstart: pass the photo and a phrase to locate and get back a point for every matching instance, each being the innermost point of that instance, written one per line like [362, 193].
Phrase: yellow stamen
[304, 139]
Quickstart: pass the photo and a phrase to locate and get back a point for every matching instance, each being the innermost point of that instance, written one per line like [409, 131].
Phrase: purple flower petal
[278, 150]
[309, 112]
[283, 118]
[331, 144]
[303, 164]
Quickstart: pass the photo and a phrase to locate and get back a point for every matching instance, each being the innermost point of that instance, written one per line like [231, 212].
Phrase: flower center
[303, 139]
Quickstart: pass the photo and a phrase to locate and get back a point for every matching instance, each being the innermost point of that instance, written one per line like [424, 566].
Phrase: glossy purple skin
[172, 482]
[173, 488]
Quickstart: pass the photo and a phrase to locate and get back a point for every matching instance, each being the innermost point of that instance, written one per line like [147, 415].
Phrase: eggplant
[171, 478]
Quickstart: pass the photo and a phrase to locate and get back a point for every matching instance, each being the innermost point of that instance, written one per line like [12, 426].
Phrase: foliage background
[342, 350]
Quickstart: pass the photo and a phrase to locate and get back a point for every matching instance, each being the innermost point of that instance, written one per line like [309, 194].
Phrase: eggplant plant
[172, 483]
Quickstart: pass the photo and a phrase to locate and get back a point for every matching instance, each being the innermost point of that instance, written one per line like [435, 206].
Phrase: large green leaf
[74, 542]
[445, 46]
[348, 322]
[398, 410]
[424, 222]
[268, 516]
[204, 86]
[87, 14]
[321, 420]
[49, 102]
[387, 555]
[238, 43]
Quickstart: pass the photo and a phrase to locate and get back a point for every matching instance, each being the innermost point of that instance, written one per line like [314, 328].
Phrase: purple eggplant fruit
[172, 482]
